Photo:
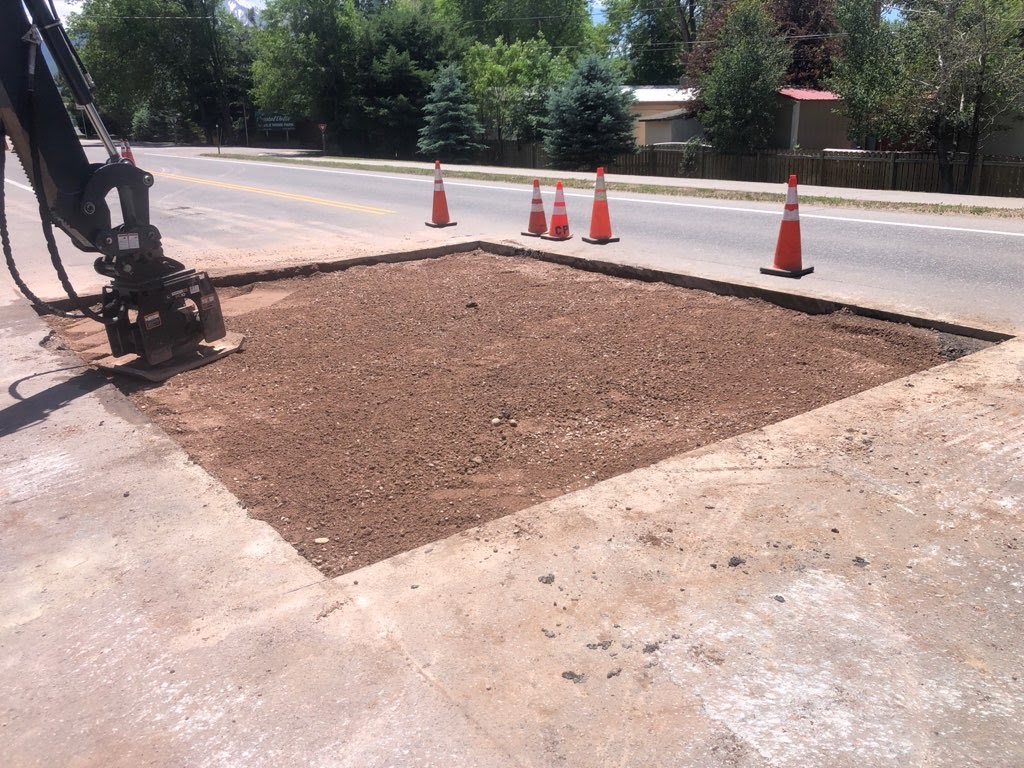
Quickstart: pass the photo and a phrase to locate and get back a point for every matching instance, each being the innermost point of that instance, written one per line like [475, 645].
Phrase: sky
[64, 8]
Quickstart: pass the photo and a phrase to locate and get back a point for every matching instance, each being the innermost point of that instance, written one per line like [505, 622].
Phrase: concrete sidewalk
[845, 588]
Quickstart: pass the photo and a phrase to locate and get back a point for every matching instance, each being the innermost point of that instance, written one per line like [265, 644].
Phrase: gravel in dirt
[385, 407]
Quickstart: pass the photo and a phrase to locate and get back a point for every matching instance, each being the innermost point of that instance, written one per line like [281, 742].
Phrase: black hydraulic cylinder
[41, 130]
[57, 42]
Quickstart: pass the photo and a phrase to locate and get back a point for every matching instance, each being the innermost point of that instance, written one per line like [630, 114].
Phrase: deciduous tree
[305, 59]
[172, 63]
[400, 47]
[650, 35]
[739, 89]
[510, 84]
[563, 23]
[871, 74]
[968, 64]
[811, 30]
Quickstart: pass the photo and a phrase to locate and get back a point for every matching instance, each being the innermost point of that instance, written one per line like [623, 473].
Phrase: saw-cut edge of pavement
[806, 302]
[844, 587]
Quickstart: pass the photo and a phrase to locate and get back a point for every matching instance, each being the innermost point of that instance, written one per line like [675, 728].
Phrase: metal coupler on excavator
[154, 307]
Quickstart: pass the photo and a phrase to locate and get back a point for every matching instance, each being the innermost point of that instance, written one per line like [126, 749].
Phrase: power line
[149, 18]
[670, 44]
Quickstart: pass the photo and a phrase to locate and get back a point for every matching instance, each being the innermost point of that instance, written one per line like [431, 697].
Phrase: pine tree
[589, 121]
[451, 126]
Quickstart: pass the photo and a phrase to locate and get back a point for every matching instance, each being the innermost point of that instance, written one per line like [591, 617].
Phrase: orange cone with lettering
[600, 223]
[787, 249]
[126, 152]
[559, 218]
[538, 221]
[439, 215]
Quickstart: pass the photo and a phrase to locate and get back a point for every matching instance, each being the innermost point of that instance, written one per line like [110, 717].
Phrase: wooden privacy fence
[906, 171]
[515, 154]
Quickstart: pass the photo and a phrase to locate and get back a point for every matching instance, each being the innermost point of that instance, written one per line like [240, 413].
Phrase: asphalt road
[963, 269]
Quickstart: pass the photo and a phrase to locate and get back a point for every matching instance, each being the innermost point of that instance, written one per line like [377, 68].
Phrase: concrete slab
[844, 588]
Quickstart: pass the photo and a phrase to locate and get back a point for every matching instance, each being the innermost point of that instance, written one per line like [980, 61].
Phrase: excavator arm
[154, 307]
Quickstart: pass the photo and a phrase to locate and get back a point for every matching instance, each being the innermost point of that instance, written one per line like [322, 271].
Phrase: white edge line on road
[916, 226]
[16, 184]
[825, 217]
[673, 203]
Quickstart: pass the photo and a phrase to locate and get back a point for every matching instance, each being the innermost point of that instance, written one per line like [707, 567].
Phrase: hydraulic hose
[5, 239]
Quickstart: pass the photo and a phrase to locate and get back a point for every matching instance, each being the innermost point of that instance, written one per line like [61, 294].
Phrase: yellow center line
[275, 193]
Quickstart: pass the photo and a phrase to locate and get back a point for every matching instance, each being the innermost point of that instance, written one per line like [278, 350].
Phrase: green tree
[564, 23]
[697, 57]
[305, 59]
[739, 90]
[652, 36]
[510, 84]
[400, 47]
[188, 62]
[967, 62]
[589, 118]
[810, 28]
[451, 128]
[872, 75]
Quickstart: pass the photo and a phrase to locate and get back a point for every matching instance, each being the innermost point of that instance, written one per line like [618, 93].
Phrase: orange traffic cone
[538, 221]
[559, 218]
[600, 224]
[439, 215]
[126, 152]
[787, 249]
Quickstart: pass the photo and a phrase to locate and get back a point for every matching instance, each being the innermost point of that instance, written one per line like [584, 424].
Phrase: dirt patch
[381, 408]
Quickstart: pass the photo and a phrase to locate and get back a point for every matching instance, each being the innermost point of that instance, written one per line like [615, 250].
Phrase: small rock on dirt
[575, 677]
[549, 579]
[859, 561]
[779, 598]
[615, 673]
[735, 561]
[321, 540]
